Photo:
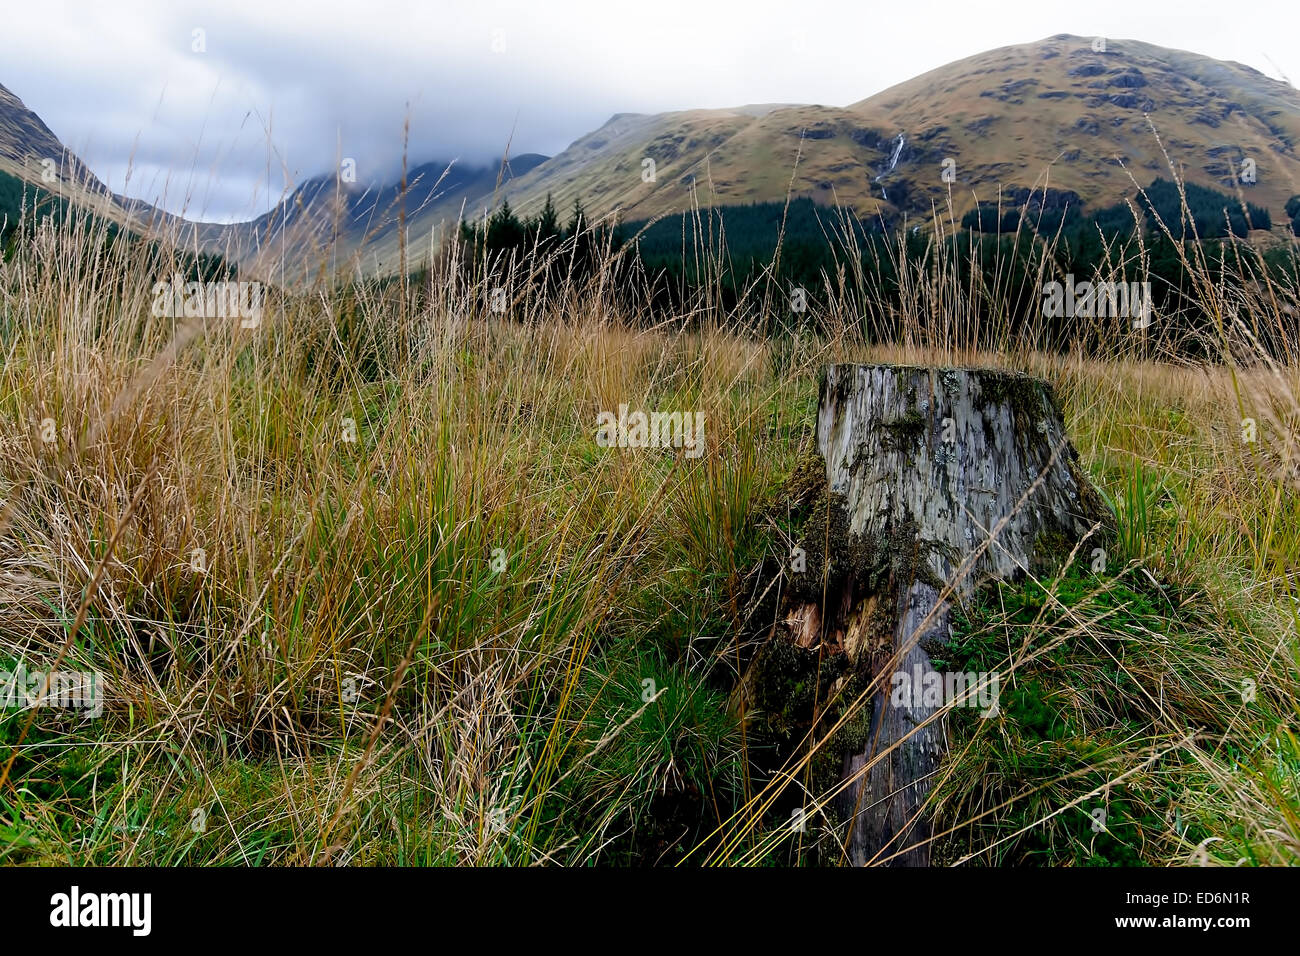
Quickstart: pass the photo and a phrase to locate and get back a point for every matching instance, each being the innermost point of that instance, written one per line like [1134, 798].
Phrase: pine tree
[504, 230]
[577, 221]
[548, 222]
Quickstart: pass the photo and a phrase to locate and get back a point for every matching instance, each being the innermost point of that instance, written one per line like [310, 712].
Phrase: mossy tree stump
[945, 479]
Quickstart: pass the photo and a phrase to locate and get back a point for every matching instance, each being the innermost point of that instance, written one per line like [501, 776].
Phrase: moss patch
[1080, 711]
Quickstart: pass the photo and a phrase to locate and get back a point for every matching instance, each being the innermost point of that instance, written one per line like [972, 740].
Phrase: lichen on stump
[938, 481]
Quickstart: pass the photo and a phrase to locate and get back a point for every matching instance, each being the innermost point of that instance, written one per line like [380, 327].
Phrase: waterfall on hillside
[893, 161]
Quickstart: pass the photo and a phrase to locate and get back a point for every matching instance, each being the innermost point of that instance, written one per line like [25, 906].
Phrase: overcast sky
[283, 86]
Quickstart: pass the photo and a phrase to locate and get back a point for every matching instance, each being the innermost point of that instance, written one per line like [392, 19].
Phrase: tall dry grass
[364, 589]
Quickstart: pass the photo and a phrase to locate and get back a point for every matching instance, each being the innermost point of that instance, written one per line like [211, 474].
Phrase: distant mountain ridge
[1082, 117]
[328, 216]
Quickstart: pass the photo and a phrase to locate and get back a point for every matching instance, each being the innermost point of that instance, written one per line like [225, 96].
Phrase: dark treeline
[1213, 215]
[1014, 241]
[563, 251]
[759, 253]
[1293, 213]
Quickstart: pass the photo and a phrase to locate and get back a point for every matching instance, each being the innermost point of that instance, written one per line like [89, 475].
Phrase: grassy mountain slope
[1054, 113]
[32, 153]
[1059, 112]
[25, 142]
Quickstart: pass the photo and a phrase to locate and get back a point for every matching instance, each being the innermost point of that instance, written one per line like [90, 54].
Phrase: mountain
[31, 153]
[329, 220]
[324, 220]
[29, 150]
[1062, 113]
[1085, 119]
[1055, 112]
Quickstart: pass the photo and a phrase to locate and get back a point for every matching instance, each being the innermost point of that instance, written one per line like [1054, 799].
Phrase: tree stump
[945, 479]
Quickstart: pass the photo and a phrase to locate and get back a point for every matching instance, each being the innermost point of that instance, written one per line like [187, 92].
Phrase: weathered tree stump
[945, 479]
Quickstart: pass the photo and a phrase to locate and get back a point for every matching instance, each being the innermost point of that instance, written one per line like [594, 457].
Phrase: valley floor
[348, 615]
